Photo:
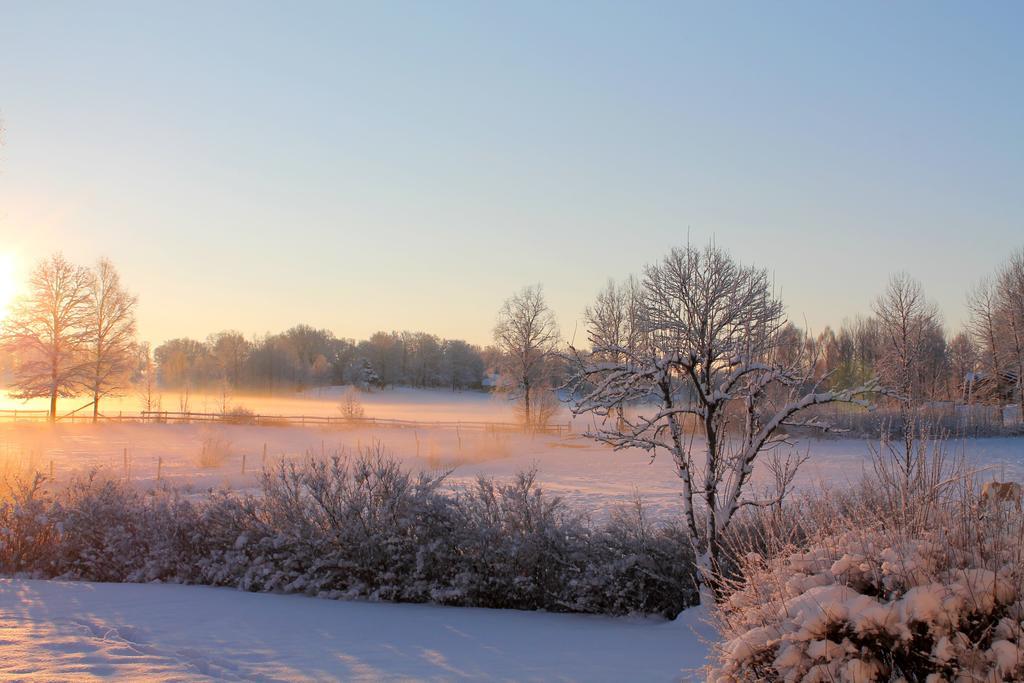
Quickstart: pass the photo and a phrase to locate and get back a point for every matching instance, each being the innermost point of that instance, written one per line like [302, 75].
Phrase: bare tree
[983, 325]
[462, 364]
[708, 365]
[527, 337]
[146, 369]
[611, 320]
[907, 320]
[109, 346]
[963, 358]
[1010, 300]
[47, 329]
[790, 344]
[230, 350]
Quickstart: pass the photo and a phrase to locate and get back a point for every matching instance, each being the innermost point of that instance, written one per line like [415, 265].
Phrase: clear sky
[393, 165]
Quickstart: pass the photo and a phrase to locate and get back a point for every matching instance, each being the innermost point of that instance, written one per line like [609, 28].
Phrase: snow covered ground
[588, 474]
[60, 631]
[51, 630]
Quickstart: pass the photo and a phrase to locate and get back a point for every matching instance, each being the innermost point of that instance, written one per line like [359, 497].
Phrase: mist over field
[398, 403]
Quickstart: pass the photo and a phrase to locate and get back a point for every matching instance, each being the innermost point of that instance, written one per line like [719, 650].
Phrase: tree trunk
[704, 571]
[716, 577]
[526, 402]
[95, 407]
[53, 405]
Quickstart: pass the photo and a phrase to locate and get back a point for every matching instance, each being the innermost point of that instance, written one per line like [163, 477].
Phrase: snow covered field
[61, 631]
[52, 630]
[588, 474]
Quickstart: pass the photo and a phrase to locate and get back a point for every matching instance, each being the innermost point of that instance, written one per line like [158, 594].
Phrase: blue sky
[408, 165]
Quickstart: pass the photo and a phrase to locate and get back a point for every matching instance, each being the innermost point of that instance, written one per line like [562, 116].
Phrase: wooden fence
[24, 415]
[325, 421]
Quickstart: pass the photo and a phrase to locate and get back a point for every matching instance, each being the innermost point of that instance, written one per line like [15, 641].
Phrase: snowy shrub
[544, 407]
[102, 533]
[213, 452]
[351, 406]
[355, 527]
[347, 526]
[239, 415]
[638, 568]
[521, 546]
[871, 597]
[28, 528]
[111, 532]
[366, 527]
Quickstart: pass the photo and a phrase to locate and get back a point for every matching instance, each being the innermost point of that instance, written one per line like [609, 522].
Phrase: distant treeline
[73, 333]
[304, 357]
[905, 344]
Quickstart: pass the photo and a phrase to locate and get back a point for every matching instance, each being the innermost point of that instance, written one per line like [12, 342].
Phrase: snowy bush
[213, 452]
[239, 415]
[355, 527]
[111, 532]
[872, 598]
[522, 546]
[637, 568]
[28, 528]
[351, 406]
[344, 527]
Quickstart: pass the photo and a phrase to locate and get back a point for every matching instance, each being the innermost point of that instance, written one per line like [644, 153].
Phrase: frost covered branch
[702, 352]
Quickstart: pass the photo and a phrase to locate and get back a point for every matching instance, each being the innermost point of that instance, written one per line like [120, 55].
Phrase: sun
[7, 283]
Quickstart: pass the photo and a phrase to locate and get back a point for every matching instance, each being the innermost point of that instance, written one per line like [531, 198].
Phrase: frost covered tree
[46, 330]
[707, 363]
[424, 357]
[109, 341]
[983, 325]
[1010, 302]
[386, 353]
[610, 319]
[230, 350]
[612, 323]
[912, 355]
[963, 358]
[909, 325]
[462, 365]
[145, 374]
[527, 338]
[361, 374]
